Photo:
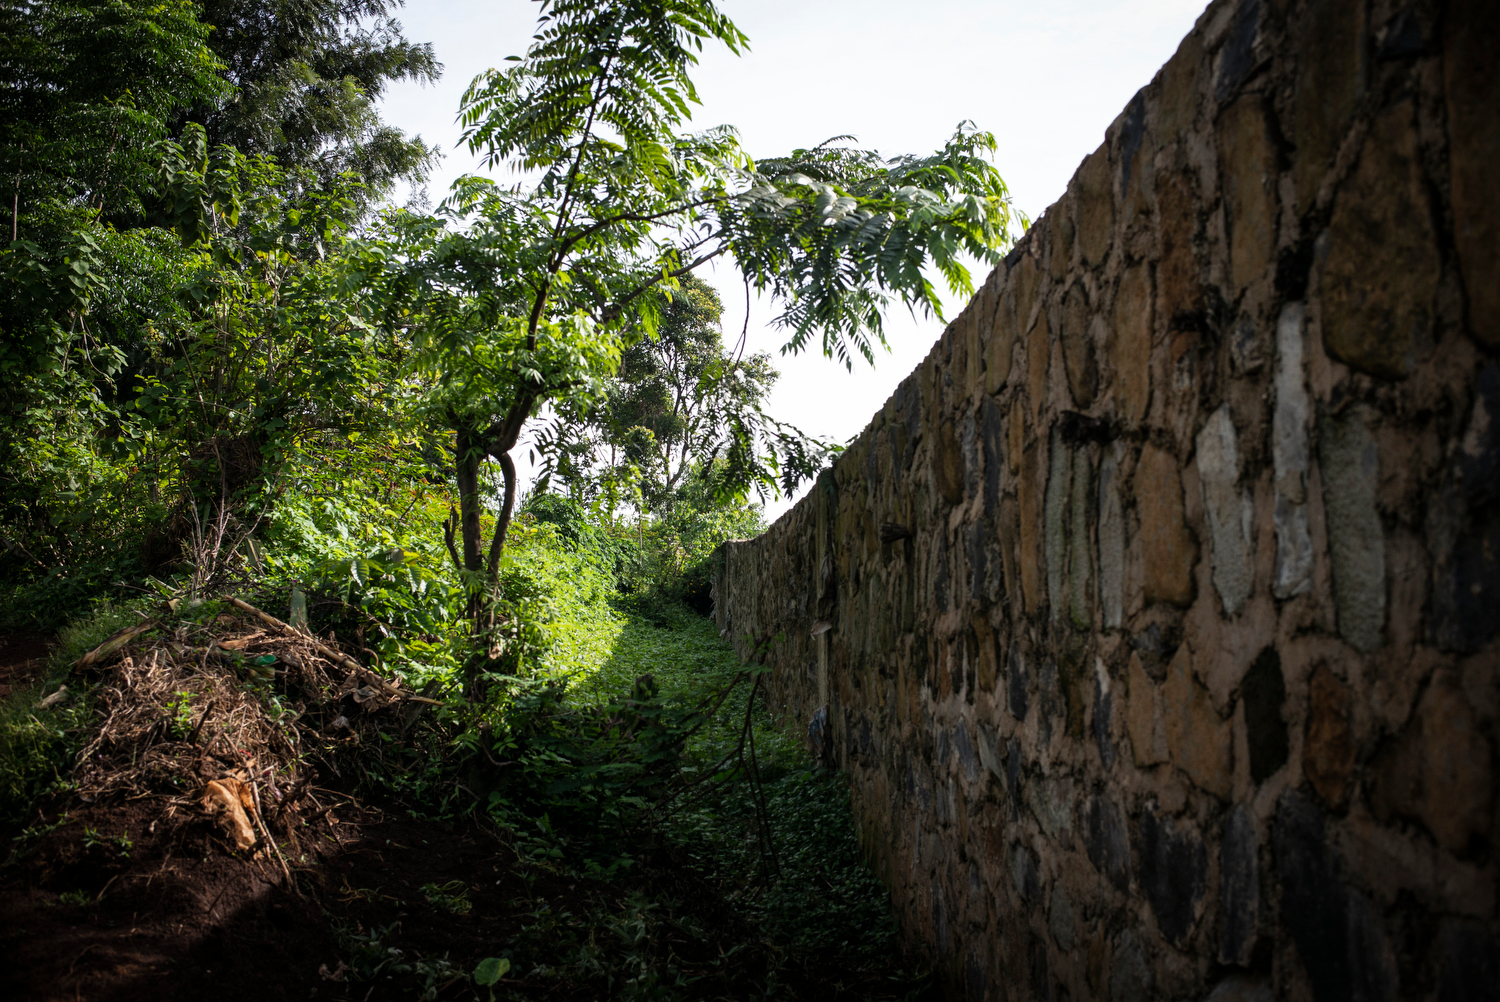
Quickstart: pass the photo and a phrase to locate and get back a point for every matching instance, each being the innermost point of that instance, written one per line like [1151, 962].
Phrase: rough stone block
[1096, 206]
[1060, 919]
[1038, 356]
[1079, 363]
[1080, 547]
[1247, 165]
[1169, 551]
[1130, 346]
[1239, 888]
[1148, 738]
[1029, 491]
[1229, 510]
[1060, 233]
[1330, 76]
[1351, 475]
[1263, 690]
[1380, 276]
[1197, 739]
[1055, 540]
[1471, 39]
[1178, 289]
[1103, 707]
[1129, 974]
[1242, 988]
[1000, 340]
[1439, 771]
[1179, 88]
[948, 464]
[1328, 747]
[1174, 873]
[1111, 543]
[1290, 458]
[1105, 839]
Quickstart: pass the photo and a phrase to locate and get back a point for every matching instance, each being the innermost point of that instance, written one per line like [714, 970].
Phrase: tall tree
[307, 75]
[540, 283]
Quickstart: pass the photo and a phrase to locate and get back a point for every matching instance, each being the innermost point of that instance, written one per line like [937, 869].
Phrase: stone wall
[1155, 614]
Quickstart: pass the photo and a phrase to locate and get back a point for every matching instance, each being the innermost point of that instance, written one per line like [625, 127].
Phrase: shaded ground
[22, 658]
[390, 908]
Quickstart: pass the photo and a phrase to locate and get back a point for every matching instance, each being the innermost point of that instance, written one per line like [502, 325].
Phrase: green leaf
[491, 970]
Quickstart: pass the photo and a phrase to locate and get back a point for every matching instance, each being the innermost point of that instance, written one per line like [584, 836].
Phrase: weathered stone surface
[1314, 902]
[1328, 747]
[1371, 778]
[1197, 739]
[1096, 206]
[1290, 457]
[1078, 348]
[1471, 39]
[1174, 873]
[1328, 82]
[1241, 988]
[1238, 58]
[1169, 550]
[1060, 919]
[1263, 690]
[1381, 273]
[1060, 231]
[1080, 545]
[1229, 510]
[1239, 889]
[1030, 495]
[1148, 737]
[1129, 975]
[1130, 346]
[948, 464]
[1440, 770]
[1111, 543]
[1038, 356]
[1055, 539]
[1179, 292]
[1248, 166]
[1351, 475]
[1105, 839]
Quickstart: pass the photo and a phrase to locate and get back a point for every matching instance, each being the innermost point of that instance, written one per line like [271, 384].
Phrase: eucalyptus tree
[523, 296]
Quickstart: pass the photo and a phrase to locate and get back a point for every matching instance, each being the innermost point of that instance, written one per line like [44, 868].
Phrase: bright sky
[1046, 76]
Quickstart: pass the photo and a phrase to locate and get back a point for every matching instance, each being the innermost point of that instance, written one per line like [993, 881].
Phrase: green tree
[673, 404]
[307, 75]
[524, 296]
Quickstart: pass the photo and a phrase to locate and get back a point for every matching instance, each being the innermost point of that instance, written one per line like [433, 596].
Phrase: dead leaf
[113, 644]
[52, 700]
[234, 802]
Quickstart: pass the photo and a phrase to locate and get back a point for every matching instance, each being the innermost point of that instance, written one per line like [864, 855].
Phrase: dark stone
[1076, 428]
[1024, 873]
[1264, 691]
[1237, 61]
[1041, 983]
[976, 555]
[941, 583]
[1158, 645]
[820, 735]
[1470, 965]
[1371, 979]
[1103, 706]
[939, 915]
[967, 759]
[942, 751]
[1013, 777]
[1466, 521]
[993, 434]
[1314, 902]
[1239, 889]
[1104, 838]
[1403, 36]
[1014, 257]
[1174, 873]
[1129, 974]
[1293, 268]
[1049, 696]
[1016, 684]
[975, 982]
[1132, 131]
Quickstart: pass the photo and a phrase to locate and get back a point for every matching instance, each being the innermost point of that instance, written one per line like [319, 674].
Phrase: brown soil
[182, 918]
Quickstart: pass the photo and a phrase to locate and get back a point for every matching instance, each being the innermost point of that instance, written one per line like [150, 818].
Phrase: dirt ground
[22, 658]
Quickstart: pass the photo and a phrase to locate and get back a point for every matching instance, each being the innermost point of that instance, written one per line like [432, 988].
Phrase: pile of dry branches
[227, 717]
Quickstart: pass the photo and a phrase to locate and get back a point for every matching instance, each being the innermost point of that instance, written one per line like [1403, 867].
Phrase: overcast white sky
[1046, 76]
